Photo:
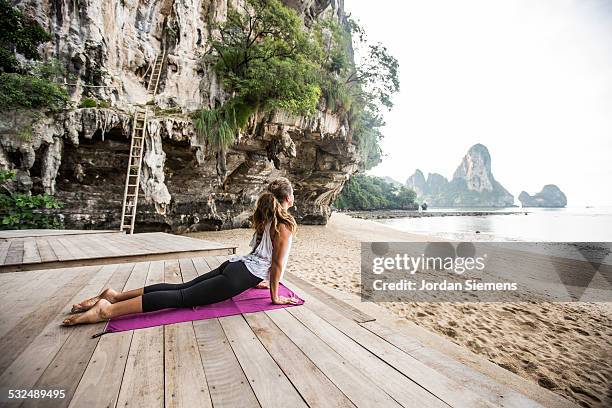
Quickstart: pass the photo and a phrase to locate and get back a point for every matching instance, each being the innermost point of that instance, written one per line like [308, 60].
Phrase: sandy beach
[565, 347]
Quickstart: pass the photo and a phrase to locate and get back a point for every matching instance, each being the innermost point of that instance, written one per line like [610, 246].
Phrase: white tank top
[259, 261]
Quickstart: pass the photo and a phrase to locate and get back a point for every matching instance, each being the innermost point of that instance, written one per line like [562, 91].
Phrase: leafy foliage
[220, 125]
[88, 103]
[23, 211]
[18, 89]
[18, 34]
[267, 60]
[264, 57]
[30, 92]
[363, 192]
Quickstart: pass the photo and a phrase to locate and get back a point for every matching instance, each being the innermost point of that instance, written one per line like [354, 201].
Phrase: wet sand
[565, 347]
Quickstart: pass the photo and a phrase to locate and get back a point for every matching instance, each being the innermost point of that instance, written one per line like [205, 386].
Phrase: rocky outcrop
[472, 185]
[81, 155]
[417, 182]
[551, 196]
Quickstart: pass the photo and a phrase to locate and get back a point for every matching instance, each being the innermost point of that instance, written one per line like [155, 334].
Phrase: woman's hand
[282, 300]
[264, 284]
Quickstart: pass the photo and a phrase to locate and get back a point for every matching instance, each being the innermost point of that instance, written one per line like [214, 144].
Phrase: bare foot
[263, 285]
[98, 313]
[108, 294]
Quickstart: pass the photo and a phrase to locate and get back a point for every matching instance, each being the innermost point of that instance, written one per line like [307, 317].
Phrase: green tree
[267, 61]
[18, 87]
[18, 33]
[364, 192]
[406, 197]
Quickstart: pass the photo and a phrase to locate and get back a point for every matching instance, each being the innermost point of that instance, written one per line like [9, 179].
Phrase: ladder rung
[127, 226]
[132, 185]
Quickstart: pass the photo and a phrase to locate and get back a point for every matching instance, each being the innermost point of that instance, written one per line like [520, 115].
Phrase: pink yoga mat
[251, 300]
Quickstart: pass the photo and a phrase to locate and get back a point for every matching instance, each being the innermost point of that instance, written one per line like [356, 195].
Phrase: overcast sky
[531, 80]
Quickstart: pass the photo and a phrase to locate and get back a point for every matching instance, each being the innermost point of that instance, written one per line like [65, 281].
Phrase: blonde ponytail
[269, 207]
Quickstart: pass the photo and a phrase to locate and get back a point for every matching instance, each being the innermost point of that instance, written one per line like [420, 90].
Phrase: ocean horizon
[569, 224]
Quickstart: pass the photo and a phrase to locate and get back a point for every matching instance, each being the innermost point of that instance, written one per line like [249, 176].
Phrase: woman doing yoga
[263, 267]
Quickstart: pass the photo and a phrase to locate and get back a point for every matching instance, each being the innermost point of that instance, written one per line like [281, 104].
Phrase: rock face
[392, 181]
[417, 182]
[81, 155]
[472, 185]
[550, 196]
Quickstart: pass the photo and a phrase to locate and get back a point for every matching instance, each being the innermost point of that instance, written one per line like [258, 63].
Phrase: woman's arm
[279, 247]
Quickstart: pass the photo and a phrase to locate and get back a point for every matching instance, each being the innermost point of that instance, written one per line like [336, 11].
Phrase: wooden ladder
[132, 181]
[154, 80]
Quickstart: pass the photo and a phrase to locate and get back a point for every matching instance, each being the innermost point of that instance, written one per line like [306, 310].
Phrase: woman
[263, 267]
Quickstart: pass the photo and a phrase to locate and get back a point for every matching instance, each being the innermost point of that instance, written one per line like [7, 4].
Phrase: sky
[529, 79]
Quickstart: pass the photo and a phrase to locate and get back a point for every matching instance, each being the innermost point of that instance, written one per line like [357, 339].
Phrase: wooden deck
[25, 252]
[325, 353]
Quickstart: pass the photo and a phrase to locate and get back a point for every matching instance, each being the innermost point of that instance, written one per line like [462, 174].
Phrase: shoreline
[560, 346]
[378, 214]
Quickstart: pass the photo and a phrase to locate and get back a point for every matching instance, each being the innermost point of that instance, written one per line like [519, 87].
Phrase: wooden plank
[27, 368]
[60, 250]
[454, 352]
[185, 382]
[30, 251]
[15, 252]
[212, 261]
[352, 382]
[400, 387]
[188, 271]
[4, 247]
[69, 364]
[266, 378]
[101, 241]
[30, 328]
[444, 388]
[313, 385]
[160, 241]
[495, 392]
[46, 252]
[31, 294]
[143, 380]
[101, 381]
[227, 382]
[94, 250]
[124, 241]
[200, 265]
[34, 233]
[81, 262]
[346, 309]
[75, 250]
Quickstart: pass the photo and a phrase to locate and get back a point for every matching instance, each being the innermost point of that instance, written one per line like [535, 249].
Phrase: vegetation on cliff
[267, 61]
[23, 211]
[363, 192]
[26, 85]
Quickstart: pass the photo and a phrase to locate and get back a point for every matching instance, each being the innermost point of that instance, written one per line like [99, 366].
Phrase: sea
[570, 224]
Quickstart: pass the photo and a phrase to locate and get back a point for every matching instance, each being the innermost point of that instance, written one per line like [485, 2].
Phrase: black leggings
[227, 280]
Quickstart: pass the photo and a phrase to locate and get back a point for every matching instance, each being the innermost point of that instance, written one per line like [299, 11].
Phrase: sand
[565, 347]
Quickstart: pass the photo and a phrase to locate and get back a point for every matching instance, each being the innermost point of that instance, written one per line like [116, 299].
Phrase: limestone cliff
[472, 185]
[80, 155]
[551, 196]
